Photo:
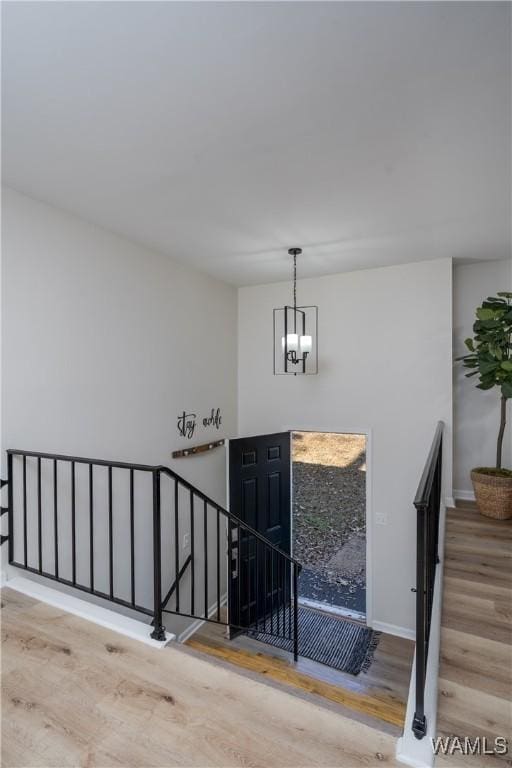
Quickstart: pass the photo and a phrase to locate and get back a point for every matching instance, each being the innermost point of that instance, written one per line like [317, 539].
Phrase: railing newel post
[158, 632]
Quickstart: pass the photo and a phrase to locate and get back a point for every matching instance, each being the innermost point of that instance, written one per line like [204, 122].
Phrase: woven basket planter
[493, 494]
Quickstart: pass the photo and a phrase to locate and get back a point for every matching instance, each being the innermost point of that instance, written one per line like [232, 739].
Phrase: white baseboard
[464, 495]
[123, 625]
[393, 629]
[199, 622]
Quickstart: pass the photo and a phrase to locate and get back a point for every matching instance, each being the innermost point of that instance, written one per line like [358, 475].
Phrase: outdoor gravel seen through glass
[329, 517]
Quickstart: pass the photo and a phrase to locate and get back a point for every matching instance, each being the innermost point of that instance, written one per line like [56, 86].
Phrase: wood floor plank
[456, 586]
[492, 674]
[100, 700]
[475, 676]
[461, 712]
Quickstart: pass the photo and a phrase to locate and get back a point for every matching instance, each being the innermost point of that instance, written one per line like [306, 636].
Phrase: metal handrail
[171, 473]
[285, 590]
[427, 476]
[427, 503]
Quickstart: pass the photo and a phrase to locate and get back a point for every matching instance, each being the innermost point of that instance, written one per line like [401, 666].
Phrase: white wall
[385, 359]
[476, 413]
[104, 343]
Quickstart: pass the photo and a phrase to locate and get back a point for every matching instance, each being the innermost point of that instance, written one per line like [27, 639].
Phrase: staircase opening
[329, 520]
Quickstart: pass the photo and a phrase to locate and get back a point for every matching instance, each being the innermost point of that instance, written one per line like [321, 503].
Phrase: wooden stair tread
[378, 706]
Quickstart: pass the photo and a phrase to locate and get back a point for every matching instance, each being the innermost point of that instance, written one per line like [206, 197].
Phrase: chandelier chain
[295, 281]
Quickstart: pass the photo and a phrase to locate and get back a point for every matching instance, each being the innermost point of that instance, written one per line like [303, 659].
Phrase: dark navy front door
[259, 493]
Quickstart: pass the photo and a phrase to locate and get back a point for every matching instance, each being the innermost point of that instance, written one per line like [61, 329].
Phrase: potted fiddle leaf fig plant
[490, 358]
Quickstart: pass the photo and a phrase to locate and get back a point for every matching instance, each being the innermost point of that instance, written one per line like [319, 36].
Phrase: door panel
[259, 493]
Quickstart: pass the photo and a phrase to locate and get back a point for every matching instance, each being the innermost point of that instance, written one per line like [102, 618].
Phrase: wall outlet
[381, 518]
[186, 541]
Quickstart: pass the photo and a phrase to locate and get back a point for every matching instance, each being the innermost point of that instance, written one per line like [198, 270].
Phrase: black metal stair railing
[119, 531]
[428, 504]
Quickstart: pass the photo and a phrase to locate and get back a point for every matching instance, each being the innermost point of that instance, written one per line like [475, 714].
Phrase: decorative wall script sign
[214, 419]
[187, 422]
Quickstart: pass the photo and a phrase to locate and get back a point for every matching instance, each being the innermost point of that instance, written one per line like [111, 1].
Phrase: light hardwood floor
[475, 685]
[75, 694]
[378, 697]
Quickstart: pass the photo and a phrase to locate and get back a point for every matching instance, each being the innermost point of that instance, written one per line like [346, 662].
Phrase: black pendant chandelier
[295, 334]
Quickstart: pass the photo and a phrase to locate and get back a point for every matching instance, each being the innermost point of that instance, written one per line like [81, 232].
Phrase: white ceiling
[223, 133]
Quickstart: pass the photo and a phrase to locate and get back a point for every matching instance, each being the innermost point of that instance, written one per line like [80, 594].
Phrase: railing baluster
[239, 572]
[39, 517]
[110, 536]
[287, 602]
[295, 612]
[25, 532]
[91, 527]
[256, 590]
[272, 591]
[176, 544]
[192, 554]
[132, 538]
[278, 568]
[248, 567]
[232, 604]
[291, 598]
[10, 504]
[218, 564]
[55, 518]
[283, 596]
[265, 589]
[73, 524]
[205, 544]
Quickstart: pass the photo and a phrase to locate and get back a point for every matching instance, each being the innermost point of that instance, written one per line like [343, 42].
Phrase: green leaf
[485, 314]
[490, 350]
[487, 367]
[506, 389]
